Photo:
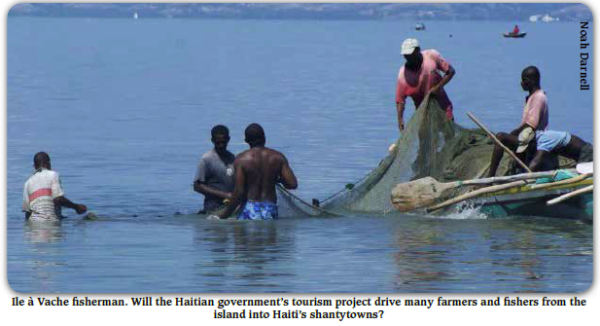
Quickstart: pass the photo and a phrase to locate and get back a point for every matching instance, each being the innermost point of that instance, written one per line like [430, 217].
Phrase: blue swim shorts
[254, 210]
[549, 140]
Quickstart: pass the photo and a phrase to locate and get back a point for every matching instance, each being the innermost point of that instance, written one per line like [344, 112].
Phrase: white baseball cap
[409, 45]
[525, 137]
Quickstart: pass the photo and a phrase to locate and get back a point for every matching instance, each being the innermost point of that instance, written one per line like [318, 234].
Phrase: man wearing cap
[419, 76]
[548, 144]
[535, 117]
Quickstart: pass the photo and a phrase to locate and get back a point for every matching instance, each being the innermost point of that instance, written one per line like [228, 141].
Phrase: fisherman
[535, 115]
[419, 76]
[43, 195]
[257, 171]
[548, 144]
[214, 175]
[515, 31]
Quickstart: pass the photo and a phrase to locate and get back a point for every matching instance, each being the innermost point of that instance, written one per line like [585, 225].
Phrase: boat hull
[510, 35]
[530, 202]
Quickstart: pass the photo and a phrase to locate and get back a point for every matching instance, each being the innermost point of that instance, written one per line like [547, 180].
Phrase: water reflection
[244, 256]
[39, 232]
[422, 255]
[511, 255]
[45, 251]
[520, 249]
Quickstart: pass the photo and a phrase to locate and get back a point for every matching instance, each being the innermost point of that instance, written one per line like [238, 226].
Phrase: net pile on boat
[430, 145]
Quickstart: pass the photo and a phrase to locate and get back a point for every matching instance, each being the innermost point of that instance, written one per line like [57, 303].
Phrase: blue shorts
[254, 210]
[549, 140]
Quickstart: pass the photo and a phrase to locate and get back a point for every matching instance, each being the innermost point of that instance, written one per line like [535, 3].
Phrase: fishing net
[430, 145]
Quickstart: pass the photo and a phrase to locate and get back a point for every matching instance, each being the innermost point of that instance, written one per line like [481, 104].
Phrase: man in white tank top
[43, 196]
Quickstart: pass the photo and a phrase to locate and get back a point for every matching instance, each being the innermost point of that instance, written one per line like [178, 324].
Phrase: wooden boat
[528, 201]
[511, 35]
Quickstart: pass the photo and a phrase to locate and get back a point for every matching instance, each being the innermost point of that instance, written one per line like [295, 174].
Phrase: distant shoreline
[296, 19]
[419, 12]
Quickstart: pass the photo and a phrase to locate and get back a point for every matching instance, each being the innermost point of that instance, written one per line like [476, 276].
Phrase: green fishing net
[430, 145]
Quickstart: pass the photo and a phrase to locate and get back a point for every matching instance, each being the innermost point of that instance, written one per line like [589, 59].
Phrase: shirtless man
[43, 195]
[257, 171]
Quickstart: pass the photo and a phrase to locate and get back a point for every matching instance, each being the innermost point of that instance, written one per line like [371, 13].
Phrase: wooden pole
[562, 182]
[506, 149]
[571, 194]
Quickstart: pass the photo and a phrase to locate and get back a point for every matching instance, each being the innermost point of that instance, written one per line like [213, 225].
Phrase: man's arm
[400, 102]
[400, 109]
[64, 201]
[200, 185]
[239, 192]
[288, 179]
[517, 131]
[447, 77]
[26, 207]
[205, 189]
[537, 160]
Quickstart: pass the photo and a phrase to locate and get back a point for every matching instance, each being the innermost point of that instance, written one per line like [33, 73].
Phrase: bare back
[262, 169]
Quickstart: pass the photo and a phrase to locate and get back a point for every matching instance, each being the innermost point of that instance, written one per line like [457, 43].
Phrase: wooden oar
[571, 194]
[477, 193]
[426, 191]
[506, 149]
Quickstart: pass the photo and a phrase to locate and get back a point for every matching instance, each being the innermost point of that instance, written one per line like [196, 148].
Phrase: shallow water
[125, 109]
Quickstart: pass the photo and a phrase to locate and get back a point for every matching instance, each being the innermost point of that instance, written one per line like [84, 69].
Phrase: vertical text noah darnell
[583, 69]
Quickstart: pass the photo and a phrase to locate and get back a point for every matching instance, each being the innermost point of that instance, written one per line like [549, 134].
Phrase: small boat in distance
[511, 35]
[135, 15]
[420, 27]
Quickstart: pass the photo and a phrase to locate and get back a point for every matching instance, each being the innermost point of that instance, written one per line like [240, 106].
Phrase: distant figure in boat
[535, 115]
[419, 76]
[515, 31]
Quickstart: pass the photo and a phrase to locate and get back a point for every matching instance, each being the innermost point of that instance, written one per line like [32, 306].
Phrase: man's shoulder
[539, 96]
[244, 155]
[430, 53]
[277, 155]
[210, 157]
[45, 173]
[208, 154]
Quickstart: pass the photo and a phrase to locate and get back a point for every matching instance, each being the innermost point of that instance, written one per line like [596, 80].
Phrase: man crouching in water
[257, 171]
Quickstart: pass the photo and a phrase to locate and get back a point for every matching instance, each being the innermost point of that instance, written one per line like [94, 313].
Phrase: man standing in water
[257, 172]
[420, 76]
[43, 195]
[535, 117]
[214, 175]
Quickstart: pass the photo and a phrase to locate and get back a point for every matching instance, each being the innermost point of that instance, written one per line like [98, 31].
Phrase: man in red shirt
[419, 76]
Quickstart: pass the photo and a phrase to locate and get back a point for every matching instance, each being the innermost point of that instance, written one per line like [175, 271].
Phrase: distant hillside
[392, 11]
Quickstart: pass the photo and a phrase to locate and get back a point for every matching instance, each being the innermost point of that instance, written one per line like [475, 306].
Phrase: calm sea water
[125, 109]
